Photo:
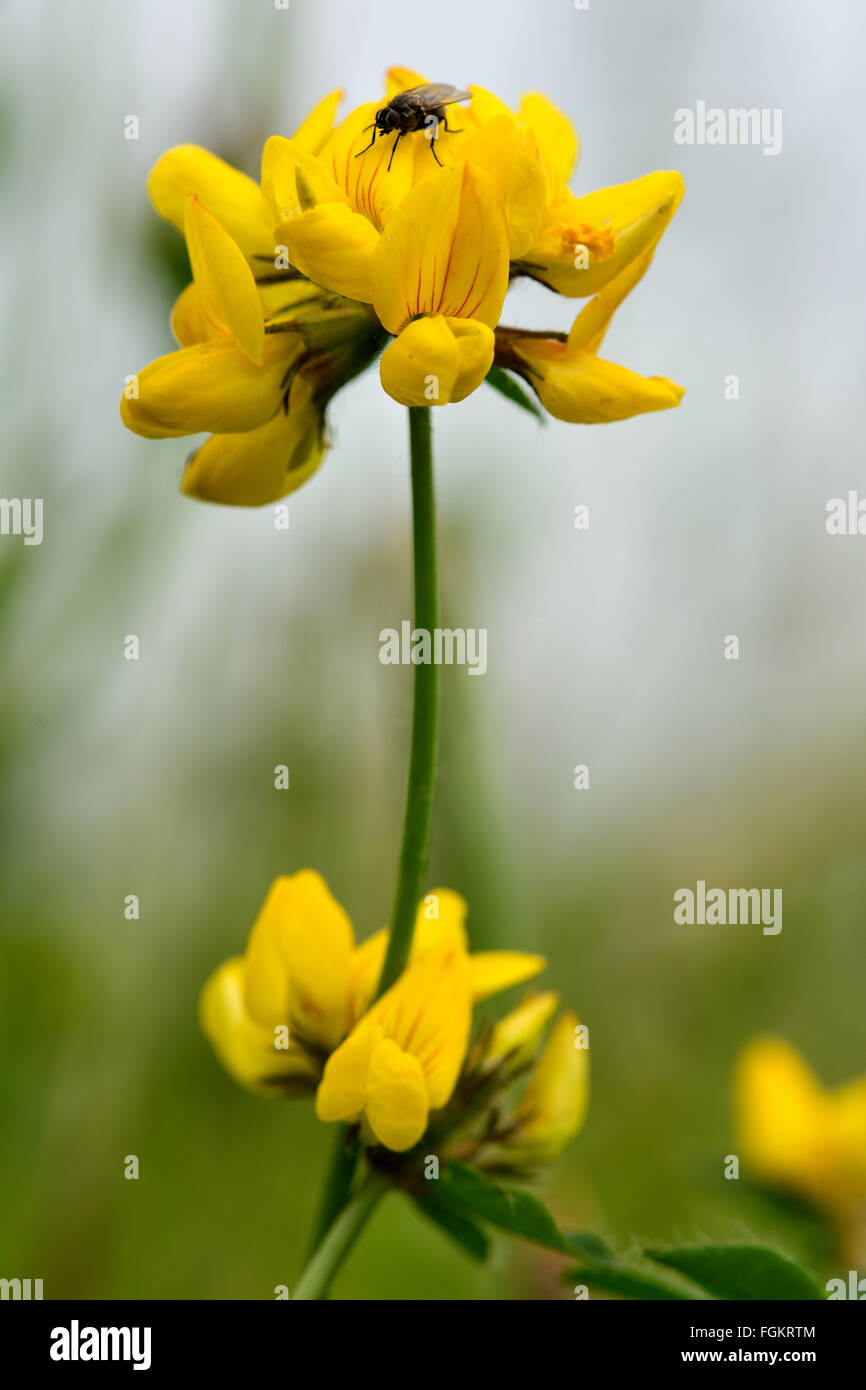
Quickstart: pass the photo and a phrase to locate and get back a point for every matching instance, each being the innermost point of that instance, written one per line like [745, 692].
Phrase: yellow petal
[445, 251]
[428, 1013]
[592, 322]
[494, 971]
[281, 160]
[556, 135]
[220, 270]
[263, 465]
[555, 1101]
[585, 390]
[209, 386]
[365, 970]
[298, 959]
[781, 1116]
[397, 1105]
[233, 198]
[189, 321]
[517, 1035]
[279, 189]
[590, 240]
[248, 1051]
[319, 944]
[334, 247]
[847, 1130]
[437, 361]
[343, 1089]
[475, 347]
[400, 80]
[359, 165]
[510, 157]
[440, 919]
[485, 106]
[313, 132]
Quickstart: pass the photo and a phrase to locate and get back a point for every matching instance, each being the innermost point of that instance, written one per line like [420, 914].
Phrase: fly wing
[435, 94]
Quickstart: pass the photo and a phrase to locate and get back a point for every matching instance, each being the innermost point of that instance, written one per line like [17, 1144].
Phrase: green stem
[419, 807]
[316, 1278]
[425, 709]
[338, 1185]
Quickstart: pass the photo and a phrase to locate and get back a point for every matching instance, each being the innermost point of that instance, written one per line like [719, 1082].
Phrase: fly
[413, 110]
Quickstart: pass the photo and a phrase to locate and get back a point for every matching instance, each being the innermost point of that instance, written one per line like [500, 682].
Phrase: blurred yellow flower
[265, 1060]
[554, 1104]
[796, 1136]
[275, 1014]
[516, 1036]
[298, 960]
[505, 1129]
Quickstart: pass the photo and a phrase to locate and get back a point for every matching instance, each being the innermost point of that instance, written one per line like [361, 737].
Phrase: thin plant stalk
[418, 818]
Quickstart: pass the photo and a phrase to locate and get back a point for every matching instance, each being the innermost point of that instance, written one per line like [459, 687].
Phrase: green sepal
[508, 386]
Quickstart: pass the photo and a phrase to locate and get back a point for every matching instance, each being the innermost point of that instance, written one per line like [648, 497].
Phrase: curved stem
[425, 709]
[341, 1236]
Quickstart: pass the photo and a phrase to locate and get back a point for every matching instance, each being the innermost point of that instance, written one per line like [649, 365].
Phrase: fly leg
[437, 117]
[396, 143]
[375, 129]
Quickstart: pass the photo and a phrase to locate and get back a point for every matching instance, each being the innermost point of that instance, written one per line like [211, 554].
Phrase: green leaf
[509, 386]
[510, 1209]
[520, 1213]
[588, 1246]
[464, 1196]
[466, 1233]
[741, 1271]
[637, 1281]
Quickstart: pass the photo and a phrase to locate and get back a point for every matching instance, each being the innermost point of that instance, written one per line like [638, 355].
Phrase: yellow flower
[274, 1014]
[584, 243]
[268, 1061]
[404, 1055]
[554, 1103]
[263, 464]
[436, 360]
[299, 281]
[298, 960]
[428, 247]
[258, 361]
[436, 275]
[403, 1058]
[571, 380]
[799, 1137]
[516, 1036]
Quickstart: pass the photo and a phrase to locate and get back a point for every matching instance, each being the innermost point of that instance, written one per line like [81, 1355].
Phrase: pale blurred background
[259, 647]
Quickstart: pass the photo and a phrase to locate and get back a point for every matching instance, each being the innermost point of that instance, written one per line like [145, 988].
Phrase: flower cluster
[296, 1015]
[346, 246]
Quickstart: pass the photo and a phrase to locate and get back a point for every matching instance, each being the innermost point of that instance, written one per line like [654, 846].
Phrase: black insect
[413, 110]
